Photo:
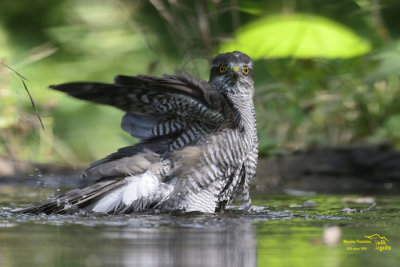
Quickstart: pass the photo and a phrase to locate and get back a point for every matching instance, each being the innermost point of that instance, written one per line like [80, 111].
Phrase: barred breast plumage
[198, 142]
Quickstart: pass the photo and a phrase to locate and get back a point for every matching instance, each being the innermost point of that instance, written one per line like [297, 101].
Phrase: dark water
[282, 230]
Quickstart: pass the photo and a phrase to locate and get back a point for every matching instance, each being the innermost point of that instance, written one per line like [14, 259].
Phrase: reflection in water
[232, 245]
[136, 240]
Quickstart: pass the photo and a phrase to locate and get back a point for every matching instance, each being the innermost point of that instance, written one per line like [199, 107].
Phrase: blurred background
[327, 83]
[326, 72]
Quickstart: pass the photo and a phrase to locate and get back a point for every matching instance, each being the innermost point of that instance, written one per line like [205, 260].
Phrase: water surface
[281, 230]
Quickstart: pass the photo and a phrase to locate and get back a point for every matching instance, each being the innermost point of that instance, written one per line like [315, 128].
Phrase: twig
[367, 209]
[33, 104]
[16, 72]
[23, 79]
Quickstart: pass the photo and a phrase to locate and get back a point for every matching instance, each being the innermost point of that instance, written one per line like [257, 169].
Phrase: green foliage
[324, 73]
[299, 36]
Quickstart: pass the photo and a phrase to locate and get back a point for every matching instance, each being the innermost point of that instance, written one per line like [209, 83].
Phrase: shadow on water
[281, 230]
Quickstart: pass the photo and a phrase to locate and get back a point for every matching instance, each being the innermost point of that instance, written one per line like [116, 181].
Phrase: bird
[197, 149]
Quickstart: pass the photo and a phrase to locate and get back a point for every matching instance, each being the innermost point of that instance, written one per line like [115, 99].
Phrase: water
[282, 230]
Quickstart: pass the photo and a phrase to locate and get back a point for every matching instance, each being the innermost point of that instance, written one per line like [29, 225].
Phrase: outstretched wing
[159, 107]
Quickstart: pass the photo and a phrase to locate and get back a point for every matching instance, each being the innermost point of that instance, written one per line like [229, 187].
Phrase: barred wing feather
[158, 107]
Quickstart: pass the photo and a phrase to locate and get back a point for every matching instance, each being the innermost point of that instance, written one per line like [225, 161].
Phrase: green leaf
[300, 36]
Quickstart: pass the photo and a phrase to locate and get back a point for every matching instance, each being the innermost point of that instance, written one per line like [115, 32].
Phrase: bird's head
[232, 73]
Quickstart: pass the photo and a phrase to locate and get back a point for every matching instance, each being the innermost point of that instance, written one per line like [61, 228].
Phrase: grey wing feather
[140, 125]
[112, 166]
[149, 150]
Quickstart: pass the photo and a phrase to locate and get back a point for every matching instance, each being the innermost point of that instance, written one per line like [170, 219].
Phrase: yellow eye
[222, 68]
[246, 70]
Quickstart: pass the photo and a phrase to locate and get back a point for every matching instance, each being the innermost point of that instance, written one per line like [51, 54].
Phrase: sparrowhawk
[198, 142]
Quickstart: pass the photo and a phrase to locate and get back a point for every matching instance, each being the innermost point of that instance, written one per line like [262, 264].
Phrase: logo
[375, 241]
[381, 242]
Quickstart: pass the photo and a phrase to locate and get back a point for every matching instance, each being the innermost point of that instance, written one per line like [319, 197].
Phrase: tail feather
[73, 199]
[117, 196]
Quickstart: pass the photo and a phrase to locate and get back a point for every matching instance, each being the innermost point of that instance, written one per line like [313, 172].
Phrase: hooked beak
[235, 72]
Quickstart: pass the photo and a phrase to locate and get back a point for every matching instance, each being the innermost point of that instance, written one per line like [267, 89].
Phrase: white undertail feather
[137, 194]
